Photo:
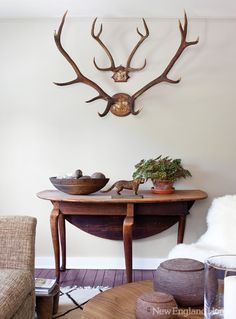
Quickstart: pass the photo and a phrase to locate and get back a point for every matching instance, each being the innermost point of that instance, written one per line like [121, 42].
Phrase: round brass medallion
[121, 104]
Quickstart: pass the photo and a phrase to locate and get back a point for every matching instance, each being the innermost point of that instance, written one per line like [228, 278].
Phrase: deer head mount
[121, 73]
[122, 104]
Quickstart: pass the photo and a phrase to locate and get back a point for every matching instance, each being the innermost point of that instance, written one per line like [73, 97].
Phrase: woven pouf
[155, 305]
[183, 278]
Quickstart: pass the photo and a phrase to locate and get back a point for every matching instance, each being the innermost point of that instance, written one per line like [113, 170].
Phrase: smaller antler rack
[121, 73]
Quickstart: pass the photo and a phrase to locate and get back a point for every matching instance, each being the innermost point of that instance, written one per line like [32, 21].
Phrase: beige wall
[46, 130]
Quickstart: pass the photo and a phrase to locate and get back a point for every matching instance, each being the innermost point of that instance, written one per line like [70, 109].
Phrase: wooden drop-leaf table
[125, 218]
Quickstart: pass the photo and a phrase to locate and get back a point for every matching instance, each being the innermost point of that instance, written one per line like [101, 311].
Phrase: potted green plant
[163, 171]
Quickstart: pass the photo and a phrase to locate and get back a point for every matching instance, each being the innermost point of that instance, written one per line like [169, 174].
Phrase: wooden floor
[94, 277]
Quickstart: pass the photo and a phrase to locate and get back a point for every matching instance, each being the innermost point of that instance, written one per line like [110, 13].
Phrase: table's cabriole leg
[182, 221]
[63, 241]
[181, 229]
[127, 238]
[55, 237]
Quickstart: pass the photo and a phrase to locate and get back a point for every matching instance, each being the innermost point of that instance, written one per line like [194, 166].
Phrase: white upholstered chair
[220, 237]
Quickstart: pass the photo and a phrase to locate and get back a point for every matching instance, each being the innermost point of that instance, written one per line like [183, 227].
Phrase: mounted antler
[120, 72]
[122, 104]
[80, 77]
[163, 77]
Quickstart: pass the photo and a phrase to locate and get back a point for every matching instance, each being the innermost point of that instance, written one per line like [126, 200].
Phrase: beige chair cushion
[15, 285]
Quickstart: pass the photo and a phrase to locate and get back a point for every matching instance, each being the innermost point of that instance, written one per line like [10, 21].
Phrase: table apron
[170, 208]
[110, 209]
[92, 208]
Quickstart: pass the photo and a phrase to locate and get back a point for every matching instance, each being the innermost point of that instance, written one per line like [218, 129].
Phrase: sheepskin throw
[220, 237]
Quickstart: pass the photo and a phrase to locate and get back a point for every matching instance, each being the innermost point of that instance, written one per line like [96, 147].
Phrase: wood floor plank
[90, 278]
[109, 278]
[38, 272]
[86, 278]
[147, 275]
[119, 277]
[44, 273]
[94, 277]
[63, 275]
[137, 275]
[51, 273]
[99, 278]
[69, 278]
[79, 279]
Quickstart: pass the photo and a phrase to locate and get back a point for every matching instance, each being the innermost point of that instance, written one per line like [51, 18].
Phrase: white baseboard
[98, 263]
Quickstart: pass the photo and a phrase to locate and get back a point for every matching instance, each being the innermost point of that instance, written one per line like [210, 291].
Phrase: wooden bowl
[79, 186]
[183, 278]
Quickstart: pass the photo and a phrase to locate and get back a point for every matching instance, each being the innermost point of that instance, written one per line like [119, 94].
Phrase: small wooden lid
[156, 297]
[182, 265]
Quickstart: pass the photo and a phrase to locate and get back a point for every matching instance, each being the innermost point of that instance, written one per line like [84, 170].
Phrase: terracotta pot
[162, 187]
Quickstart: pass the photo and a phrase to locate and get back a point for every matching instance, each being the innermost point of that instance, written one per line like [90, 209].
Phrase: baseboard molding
[99, 263]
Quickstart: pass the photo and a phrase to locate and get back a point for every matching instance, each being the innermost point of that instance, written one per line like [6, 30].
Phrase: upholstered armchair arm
[17, 242]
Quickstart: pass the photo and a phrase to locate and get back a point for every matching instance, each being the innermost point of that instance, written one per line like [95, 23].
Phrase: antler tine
[107, 109]
[184, 30]
[97, 38]
[143, 37]
[135, 112]
[80, 77]
[183, 44]
[163, 77]
[57, 37]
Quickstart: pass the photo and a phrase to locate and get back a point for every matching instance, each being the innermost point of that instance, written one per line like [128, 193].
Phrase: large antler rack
[80, 77]
[120, 73]
[164, 76]
[122, 104]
